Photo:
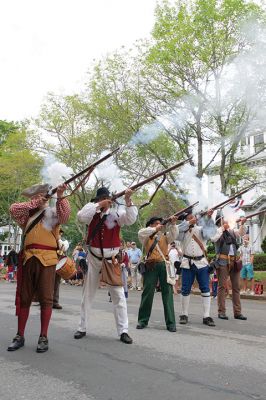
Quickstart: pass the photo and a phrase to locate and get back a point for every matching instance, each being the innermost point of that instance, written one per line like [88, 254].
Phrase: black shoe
[240, 316]
[171, 328]
[141, 326]
[208, 321]
[42, 346]
[125, 338]
[222, 316]
[79, 335]
[17, 343]
[183, 319]
[57, 306]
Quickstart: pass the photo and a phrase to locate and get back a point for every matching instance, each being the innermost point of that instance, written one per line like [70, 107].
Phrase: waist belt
[40, 247]
[98, 257]
[194, 258]
[225, 257]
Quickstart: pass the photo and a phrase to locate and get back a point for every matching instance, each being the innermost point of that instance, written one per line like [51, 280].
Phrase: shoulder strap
[201, 245]
[154, 243]
[30, 226]
[96, 229]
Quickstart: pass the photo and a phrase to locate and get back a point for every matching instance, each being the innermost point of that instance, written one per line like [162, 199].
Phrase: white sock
[184, 304]
[206, 299]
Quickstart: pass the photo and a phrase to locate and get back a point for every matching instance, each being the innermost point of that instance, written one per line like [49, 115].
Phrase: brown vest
[40, 235]
[155, 256]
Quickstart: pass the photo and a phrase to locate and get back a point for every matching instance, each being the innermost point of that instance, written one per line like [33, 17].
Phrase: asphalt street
[196, 362]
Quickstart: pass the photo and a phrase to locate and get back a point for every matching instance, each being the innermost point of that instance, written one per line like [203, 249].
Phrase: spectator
[247, 257]
[175, 259]
[135, 255]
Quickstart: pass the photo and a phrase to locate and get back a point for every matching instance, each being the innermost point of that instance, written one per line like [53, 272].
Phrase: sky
[49, 45]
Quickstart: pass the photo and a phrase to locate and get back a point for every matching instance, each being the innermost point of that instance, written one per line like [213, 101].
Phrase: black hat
[218, 218]
[152, 220]
[102, 192]
[184, 215]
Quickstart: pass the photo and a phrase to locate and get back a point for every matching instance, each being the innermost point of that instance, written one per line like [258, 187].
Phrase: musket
[178, 213]
[252, 215]
[220, 205]
[87, 171]
[151, 178]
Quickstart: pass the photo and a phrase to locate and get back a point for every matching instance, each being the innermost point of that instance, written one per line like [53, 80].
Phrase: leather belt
[40, 247]
[194, 258]
[99, 258]
[225, 257]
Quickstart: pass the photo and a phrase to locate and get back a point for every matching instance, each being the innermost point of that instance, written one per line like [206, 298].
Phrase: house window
[259, 142]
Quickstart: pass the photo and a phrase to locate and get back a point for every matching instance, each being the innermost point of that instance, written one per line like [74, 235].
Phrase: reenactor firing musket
[252, 215]
[178, 213]
[86, 171]
[224, 203]
[151, 178]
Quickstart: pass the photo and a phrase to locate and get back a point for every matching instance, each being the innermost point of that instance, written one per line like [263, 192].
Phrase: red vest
[110, 238]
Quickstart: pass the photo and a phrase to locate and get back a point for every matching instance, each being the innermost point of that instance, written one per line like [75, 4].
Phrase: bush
[263, 245]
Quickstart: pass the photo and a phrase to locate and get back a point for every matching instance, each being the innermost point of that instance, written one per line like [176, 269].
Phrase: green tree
[19, 168]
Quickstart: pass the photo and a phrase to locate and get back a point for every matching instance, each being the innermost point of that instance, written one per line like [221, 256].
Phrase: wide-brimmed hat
[152, 220]
[36, 189]
[101, 192]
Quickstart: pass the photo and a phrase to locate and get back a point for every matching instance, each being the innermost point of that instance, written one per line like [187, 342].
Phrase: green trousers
[150, 280]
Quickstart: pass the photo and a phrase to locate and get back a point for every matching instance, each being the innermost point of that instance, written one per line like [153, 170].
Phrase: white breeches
[91, 284]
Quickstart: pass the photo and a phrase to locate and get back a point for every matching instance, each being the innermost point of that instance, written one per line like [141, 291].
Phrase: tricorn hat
[218, 218]
[101, 192]
[152, 220]
[184, 215]
[36, 189]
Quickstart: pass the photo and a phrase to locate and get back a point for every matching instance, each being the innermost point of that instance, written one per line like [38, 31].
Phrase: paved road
[197, 362]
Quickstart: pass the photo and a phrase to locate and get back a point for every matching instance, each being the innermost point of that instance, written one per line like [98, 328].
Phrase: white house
[255, 199]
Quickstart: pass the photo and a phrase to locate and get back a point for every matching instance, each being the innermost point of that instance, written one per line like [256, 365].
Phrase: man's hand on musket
[242, 220]
[60, 190]
[128, 194]
[210, 212]
[42, 200]
[105, 204]
[173, 219]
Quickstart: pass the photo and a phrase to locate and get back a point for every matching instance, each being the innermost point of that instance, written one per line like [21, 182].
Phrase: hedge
[259, 261]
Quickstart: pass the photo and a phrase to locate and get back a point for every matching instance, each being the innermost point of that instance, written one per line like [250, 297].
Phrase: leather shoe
[57, 306]
[42, 346]
[17, 343]
[79, 335]
[240, 316]
[141, 326]
[171, 328]
[183, 319]
[125, 338]
[222, 316]
[208, 321]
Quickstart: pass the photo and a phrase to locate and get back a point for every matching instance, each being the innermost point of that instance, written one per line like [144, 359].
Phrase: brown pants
[37, 280]
[223, 274]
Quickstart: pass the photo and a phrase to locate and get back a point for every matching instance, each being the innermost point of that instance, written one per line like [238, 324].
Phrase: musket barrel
[252, 215]
[180, 212]
[223, 203]
[151, 178]
[90, 167]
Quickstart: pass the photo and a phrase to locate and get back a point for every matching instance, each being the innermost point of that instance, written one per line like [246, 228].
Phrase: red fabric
[110, 238]
[22, 320]
[20, 212]
[45, 319]
[19, 281]
[39, 246]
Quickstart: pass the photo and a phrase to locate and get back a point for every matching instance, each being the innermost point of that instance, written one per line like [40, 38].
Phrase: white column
[256, 235]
